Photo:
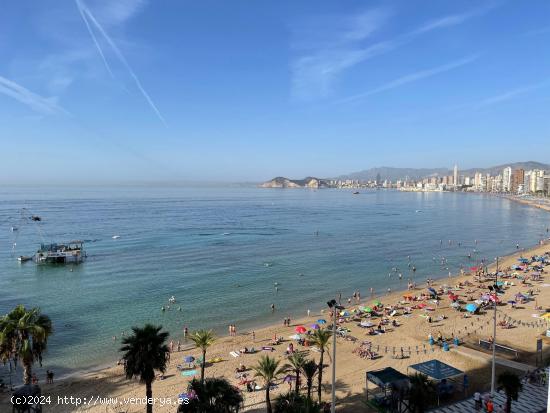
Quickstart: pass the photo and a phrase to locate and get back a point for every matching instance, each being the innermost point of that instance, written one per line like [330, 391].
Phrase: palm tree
[511, 384]
[310, 368]
[320, 339]
[420, 392]
[268, 369]
[144, 352]
[203, 339]
[216, 395]
[24, 337]
[295, 363]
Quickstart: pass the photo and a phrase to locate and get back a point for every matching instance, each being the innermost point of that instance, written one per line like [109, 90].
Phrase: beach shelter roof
[385, 377]
[436, 369]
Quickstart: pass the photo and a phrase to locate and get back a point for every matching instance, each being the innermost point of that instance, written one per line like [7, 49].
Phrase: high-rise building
[518, 175]
[455, 175]
[478, 178]
[507, 179]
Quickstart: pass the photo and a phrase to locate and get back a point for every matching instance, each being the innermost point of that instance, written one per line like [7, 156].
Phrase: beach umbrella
[189, 359]
[321, 321]
[300, 329]
[422, 305]
[511, 302]
[471, 308]
[288, 378]
[344, 313]
[376, 303]
[367, 309]
[315, 326]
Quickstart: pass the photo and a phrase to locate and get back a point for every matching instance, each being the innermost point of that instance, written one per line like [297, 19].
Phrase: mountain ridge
[393, 173]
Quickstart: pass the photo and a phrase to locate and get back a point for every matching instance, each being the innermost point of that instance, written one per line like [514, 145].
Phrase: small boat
[13, 229]
[356, 193]
[116, 236]
[23, 258]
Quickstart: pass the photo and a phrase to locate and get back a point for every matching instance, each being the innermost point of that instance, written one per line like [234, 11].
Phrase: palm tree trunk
[202, 365]
[27, 372]
[309, 386]
[149, 395]
[508, 403]
[267, 399]
[297, 381]
[320, 374]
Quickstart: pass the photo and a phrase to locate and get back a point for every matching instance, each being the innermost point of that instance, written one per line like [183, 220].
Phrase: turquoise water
[219, 251]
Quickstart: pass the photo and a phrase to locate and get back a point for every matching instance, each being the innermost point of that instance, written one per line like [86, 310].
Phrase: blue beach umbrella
[471, 308]
[321, 321]
[189, 359]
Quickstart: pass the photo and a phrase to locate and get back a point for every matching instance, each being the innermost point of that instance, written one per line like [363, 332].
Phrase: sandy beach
[411, 335]
[540, 203]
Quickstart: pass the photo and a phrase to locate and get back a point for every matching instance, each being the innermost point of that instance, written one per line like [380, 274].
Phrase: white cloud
[331, 46]
[315, 71]
[115, 12]
[511, 94]
[410, 78]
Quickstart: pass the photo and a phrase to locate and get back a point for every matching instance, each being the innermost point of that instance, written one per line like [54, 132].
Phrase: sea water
[221, 252]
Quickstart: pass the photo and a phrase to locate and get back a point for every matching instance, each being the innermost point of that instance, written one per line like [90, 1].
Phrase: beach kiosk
[391, 385]
[447, 378]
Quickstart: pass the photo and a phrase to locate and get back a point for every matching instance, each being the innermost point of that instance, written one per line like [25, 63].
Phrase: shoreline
[268, 325]
[108, 372]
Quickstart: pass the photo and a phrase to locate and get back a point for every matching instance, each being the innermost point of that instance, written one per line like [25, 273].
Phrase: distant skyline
[139, 91]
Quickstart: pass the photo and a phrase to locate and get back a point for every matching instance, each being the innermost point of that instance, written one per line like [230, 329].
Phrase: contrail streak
[87, 14]
[31, 99]
[80, 9]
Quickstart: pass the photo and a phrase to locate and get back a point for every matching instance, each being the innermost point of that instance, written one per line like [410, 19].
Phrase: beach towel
[188, 373]
[234, 354]
[267, 348]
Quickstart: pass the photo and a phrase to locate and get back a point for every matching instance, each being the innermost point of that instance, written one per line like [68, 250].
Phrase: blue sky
[137, 90]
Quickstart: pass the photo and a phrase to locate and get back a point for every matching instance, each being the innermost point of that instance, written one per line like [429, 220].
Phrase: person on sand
[253, 335]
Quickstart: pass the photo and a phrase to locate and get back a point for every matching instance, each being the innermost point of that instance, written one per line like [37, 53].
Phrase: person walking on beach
[253, 336]
[185, 331]
[179, 346]
[171, 346]
[308, 312]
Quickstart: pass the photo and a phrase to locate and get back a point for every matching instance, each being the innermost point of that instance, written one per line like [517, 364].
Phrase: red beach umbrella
[300, 329]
